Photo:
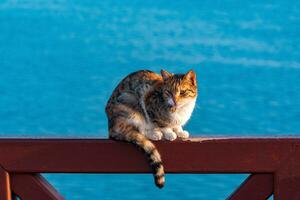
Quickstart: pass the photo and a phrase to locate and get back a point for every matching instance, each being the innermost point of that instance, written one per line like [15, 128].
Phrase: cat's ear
[165, 75]
[191, 76]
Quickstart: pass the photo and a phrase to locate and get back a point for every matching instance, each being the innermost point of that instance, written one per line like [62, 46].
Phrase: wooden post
[5, 192]
[287, 178]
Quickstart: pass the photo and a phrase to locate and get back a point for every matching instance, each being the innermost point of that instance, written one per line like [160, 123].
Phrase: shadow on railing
[274, 163]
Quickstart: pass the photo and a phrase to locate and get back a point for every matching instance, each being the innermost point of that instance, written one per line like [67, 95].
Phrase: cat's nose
[173, 109]
[172, 102]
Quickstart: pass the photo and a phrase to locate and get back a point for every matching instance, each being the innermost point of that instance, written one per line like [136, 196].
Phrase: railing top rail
[273, 162]
[196, 155]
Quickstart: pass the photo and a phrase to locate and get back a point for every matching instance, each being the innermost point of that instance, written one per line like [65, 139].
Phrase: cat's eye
[183, 93]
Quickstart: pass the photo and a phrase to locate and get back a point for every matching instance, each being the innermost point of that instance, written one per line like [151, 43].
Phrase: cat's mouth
[174, 108]
[174, 105]
[180, 105]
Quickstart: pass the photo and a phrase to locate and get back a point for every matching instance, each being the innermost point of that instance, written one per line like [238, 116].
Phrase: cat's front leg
[169, 134]
[180, 132]
[153, 134]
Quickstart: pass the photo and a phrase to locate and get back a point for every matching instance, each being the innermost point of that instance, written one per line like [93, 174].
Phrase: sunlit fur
[147, 106]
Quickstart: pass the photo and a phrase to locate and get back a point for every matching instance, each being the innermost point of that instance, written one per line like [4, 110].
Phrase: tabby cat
[147, 106]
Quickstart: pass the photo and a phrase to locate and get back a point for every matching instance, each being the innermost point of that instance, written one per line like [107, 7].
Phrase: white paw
[183, 134]
[169, 134]
[154, 134]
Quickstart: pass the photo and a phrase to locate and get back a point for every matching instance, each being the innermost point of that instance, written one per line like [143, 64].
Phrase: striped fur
[133, 136]
[146, 106]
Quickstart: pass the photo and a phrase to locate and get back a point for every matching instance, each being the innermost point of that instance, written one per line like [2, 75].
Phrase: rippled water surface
[60, 60]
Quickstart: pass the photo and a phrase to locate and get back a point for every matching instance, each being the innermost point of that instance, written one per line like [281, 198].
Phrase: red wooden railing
[274, 163]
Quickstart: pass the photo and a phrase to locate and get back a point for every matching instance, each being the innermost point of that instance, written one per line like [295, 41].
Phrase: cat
[147, 106]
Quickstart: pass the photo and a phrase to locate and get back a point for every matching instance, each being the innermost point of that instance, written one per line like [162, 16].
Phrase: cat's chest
[182, 115]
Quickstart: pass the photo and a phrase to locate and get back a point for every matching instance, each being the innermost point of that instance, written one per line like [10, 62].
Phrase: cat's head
[179, 89]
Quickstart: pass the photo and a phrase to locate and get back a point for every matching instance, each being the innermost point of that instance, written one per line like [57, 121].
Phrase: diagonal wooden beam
[33, 187]
[255, 187]
[5, 192]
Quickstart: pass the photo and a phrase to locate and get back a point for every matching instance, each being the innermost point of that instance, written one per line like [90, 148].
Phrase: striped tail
[148, 147]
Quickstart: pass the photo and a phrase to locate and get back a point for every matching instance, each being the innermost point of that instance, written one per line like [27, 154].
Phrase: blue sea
[60, 61]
